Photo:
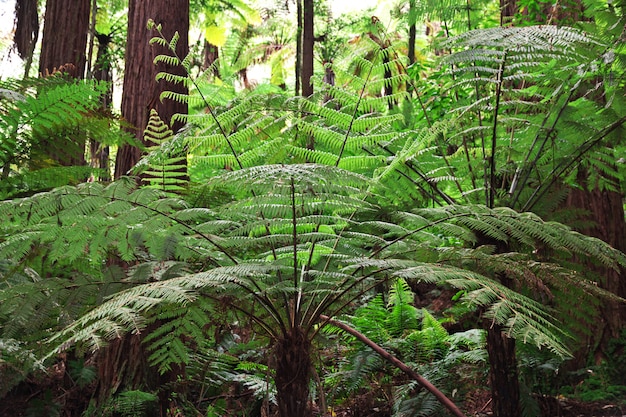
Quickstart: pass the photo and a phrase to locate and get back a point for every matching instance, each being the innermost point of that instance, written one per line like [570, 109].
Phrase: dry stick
[445, 401]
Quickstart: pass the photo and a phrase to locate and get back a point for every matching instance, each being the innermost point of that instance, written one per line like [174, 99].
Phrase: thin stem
[294, 224]
[494, 136]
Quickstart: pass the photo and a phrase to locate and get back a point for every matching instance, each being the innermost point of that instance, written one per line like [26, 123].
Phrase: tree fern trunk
[122, 366]
[293, 366]
[605, 210]
[503, 377]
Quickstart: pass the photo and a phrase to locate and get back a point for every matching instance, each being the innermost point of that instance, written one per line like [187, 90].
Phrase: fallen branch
[441, 397]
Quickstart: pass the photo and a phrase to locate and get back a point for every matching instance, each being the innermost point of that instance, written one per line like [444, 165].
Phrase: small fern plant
[418, 339]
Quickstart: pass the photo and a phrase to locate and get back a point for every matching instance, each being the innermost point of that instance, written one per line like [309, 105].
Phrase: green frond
[522, 318]
[165, 165]
[167, 60]
[312, 178]
[177, 324]
[35, 110]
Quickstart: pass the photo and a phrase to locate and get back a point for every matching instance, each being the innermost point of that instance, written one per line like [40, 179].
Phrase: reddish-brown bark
[64, 43]
[605, 210]
[141, 92]
[308, 40]
[503, 375]
[63, 49]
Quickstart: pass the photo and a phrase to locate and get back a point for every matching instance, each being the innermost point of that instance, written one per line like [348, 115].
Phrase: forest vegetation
[268, 208]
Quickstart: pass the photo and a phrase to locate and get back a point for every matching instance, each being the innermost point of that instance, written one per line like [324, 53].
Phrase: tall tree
[123, 362]
[64, 44]
[141, 92]
[65, 51]
[298, 47]
[26, 30]
[308, 40]
[412, 31]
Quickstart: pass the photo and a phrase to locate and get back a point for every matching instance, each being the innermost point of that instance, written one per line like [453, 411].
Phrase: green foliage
[41, 118]
[424, 344]
[132, 404]
[16, 362]
[165, 165]
[595, 385]
[44, 405]
[299, 208]
[520, 94]
[82, 374]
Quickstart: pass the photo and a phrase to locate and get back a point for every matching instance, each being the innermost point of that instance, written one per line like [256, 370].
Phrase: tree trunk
[102, 72]
[607, 212]
[508, 9]
[293, 374]
[412, 31]
[388, 84]
[26, 31]
[141, 92]
[308, 41]
[63, 49]
[298, 46]
[211, 55]
[64, 44]
[122, 366]
[503, 376]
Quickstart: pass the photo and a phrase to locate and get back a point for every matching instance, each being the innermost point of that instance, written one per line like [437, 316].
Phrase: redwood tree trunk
[308, 41]
[64, 44]
[293, 372]
[298, 72]
[503, 376]
[26, 31]
[412, 31]
[141, 92]
[508, 8]
[102, 72]
[63, 49]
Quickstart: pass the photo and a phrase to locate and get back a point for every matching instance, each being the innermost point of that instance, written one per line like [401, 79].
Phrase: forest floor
[480, 406]
[477, 404]
[559, 407]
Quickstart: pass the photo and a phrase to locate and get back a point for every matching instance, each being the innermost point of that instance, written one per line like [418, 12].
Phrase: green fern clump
[132, 403]
[418, 339]
[16, 362]
[41, 120]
